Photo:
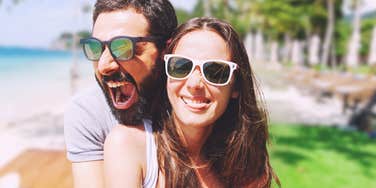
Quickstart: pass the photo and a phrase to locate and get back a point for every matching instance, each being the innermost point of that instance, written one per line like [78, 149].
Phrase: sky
[36, 23]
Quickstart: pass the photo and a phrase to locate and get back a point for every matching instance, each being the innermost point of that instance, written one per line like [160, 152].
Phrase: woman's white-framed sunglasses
[215, 72]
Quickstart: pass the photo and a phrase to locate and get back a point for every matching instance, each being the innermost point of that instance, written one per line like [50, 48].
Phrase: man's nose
[106, 63]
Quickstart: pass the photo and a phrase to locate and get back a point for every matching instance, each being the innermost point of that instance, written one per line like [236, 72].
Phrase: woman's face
[194, 101]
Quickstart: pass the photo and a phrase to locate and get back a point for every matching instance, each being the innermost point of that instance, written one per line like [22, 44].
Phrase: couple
[207, 129]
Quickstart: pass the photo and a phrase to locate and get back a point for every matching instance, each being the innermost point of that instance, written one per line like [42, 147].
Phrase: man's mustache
[119, 77]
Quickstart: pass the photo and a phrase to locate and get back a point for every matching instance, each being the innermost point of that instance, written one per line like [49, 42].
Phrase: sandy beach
[42, 128]
[34, 103]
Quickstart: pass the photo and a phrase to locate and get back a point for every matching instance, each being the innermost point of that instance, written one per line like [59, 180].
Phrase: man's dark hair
[159, 13]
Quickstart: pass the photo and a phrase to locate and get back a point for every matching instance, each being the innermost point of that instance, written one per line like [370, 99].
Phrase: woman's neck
[193, 138]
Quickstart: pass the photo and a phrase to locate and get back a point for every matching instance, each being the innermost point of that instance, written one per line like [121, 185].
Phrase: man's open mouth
[123, 94]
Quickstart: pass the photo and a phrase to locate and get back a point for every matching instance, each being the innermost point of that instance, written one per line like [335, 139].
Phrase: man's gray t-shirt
[87, 121]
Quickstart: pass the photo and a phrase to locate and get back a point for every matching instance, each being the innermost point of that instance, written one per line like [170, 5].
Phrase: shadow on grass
[354, 146]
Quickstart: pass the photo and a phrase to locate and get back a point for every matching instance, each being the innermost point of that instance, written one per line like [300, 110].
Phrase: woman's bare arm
[124, 157]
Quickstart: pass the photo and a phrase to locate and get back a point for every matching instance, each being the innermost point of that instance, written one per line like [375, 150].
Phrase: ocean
[37, 81]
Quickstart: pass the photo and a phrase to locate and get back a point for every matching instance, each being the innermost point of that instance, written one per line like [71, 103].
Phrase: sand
[38, 127]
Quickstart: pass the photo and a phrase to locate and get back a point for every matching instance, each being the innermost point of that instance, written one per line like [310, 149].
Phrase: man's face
[124, 83]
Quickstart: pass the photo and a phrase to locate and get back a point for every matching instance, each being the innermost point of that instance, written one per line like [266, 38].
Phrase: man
[127, 39]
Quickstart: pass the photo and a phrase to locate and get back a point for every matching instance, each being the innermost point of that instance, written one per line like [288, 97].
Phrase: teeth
[113, 84]
[187, 100]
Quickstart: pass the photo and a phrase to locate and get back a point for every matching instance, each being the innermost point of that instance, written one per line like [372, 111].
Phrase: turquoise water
[32, 79]
[38, 65]
[16, 59]
[31, 52]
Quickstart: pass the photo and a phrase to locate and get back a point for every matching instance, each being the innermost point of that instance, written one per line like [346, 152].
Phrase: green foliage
[234, 12]
[342, 35]
[297, 18]
[86, 8]
[366, 33]
[83, 34]
[277, 18]
[15, 2]
[182, 15]
[320, 68]
[198, 10]
[312, 156]
[364, 70]
[67, 38]
[343, 31]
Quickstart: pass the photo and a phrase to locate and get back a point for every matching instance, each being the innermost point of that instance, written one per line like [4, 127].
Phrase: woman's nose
[195, 80]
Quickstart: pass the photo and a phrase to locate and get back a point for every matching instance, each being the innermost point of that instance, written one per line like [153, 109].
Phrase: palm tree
[249, 45]
[274, 52]
[372, 52]
[313, 49]
[354, 43]
[259, 47]
[329, 33]
[297, 53]
[207, 8]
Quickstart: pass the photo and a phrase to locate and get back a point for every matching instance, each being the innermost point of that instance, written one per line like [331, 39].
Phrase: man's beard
[140, 109]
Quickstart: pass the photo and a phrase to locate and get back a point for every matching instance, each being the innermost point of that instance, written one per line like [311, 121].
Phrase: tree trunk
[259, 47]
[274, 52]
[352, 59]
[207, 11]
[249, 45]
[329, 33]
[286, 52]
[372, 51]
[333, 59]
[297, 53]
[313, 50]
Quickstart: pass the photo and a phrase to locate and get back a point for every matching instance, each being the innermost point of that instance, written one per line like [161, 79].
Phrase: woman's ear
[235, 94]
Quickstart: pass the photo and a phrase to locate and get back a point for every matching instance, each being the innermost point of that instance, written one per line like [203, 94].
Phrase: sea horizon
[23, 51]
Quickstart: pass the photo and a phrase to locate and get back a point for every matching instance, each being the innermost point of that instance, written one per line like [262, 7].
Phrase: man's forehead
[126, 22]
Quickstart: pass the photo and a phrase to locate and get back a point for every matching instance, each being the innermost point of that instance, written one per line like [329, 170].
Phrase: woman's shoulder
[126, 138]
[124, 156]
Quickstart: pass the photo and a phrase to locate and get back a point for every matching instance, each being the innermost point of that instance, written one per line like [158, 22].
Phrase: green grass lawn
[322, 157]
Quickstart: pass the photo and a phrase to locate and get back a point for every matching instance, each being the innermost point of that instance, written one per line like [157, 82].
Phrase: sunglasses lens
[178, 67]
[216, 72]
[122, 49]
[92, 49]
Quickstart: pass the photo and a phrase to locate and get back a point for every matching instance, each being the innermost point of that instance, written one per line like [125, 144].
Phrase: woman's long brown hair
[236, 150]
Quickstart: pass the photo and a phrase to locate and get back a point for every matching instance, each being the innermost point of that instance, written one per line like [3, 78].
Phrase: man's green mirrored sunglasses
[122, 48]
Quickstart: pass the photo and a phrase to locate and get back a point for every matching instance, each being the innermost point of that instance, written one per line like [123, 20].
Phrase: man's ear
[163, 52]
[235, 94]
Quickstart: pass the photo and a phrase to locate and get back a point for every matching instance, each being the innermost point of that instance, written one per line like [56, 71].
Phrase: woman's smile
[196, 103]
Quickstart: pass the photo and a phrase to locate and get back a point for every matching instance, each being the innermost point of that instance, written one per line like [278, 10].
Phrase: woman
[208, 130]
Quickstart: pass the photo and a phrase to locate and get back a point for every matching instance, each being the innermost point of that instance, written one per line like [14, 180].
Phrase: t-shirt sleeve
[84, 138]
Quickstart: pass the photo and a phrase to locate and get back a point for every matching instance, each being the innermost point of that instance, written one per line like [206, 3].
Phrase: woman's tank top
[151, 176]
